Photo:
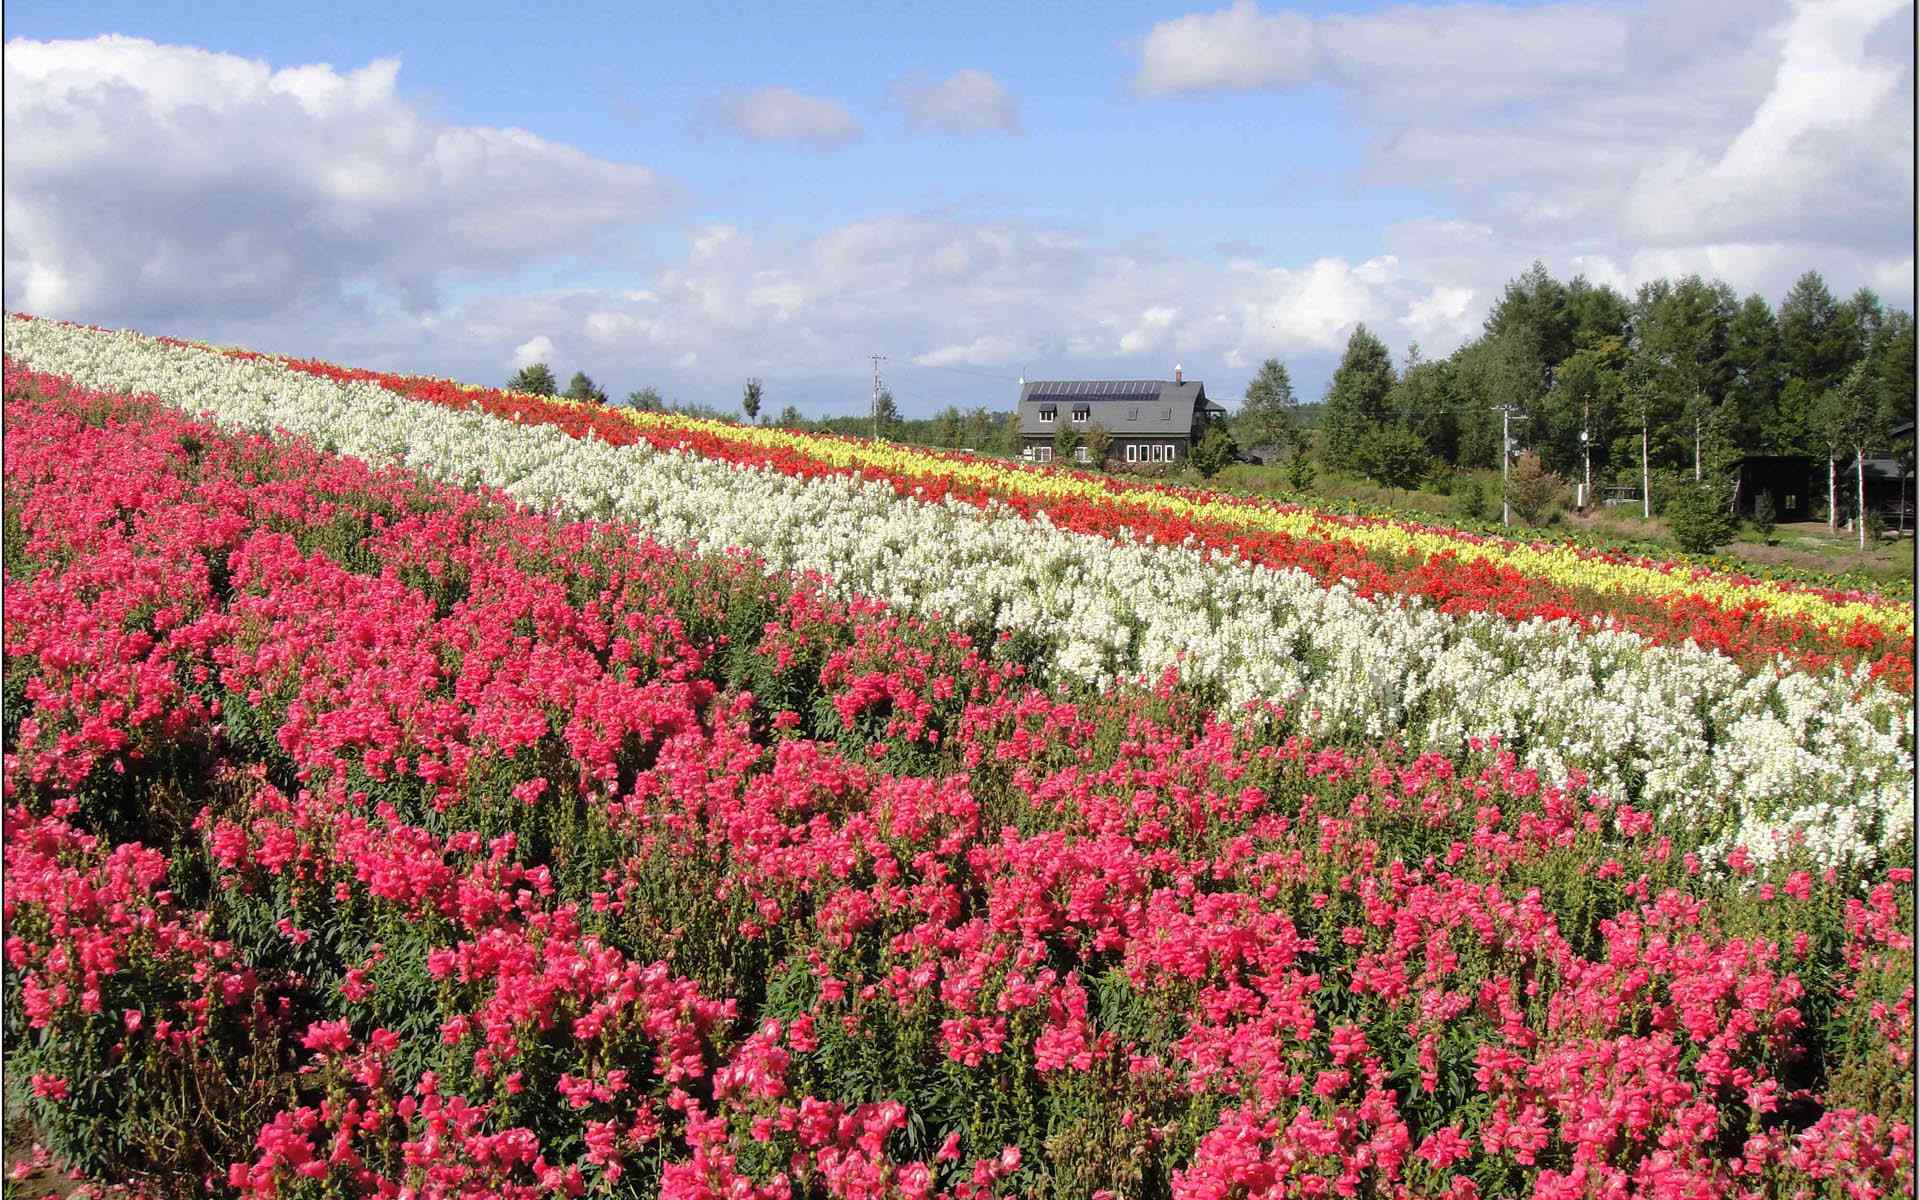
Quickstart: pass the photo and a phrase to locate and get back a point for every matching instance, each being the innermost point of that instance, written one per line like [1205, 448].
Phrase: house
[1788, 478]
[1152, 421]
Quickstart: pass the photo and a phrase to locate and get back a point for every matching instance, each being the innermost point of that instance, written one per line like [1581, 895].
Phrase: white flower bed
[1752, 758]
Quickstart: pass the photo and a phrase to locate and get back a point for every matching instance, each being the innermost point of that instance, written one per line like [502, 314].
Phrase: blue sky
[705, 193]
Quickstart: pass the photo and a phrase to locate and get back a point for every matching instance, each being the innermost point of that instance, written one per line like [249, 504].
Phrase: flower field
[413, 791]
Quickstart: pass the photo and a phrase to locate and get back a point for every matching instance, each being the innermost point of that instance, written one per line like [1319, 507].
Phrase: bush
[1393, 456]
[1300, 468]
[1470, 498]
[1532, 489]
[1763, 515]
[1215, 451]
[1700, 517]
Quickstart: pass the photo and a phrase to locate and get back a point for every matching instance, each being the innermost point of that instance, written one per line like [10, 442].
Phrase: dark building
[1152, 421]
[1788, 477]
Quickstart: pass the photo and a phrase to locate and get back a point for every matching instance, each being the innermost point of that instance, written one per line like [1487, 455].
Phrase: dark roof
[1134, 407]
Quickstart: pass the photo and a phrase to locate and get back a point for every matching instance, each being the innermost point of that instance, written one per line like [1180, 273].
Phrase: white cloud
[782, 115]
[968, 102]
[149, 179]
[1442, 315]
[1237, 47]
[537, 349]
[985, 351]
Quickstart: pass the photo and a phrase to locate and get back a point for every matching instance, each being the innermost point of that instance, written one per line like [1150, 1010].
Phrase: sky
[684, 196]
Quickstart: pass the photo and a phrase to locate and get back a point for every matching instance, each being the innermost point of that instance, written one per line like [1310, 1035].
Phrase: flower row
[1759, 760]
[1665, 600]
[446, 849]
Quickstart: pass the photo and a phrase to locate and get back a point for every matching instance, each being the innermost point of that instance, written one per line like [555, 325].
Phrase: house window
[1046, 416]
[1043, 454]
[1027, 453]
[1173, 453]
[1133, 452]
[1157, 448]
[1080, 454]
[1081, 413]
[1133, 414]
[1791, 498]
[1166, 414]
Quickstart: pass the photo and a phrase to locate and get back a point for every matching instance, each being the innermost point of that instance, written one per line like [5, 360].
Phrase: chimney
[1176, 372]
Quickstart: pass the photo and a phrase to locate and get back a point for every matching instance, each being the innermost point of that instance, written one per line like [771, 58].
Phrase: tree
[1300, 467]
[947, 426]
[1534, 313]
[1064, 440]
[790, 418]
[535, 380]
[582, 387]
[647, 399]
[1531, 489]
[1215, 451]
[1427, 401]
[1266, 417]
[1700, 516]
[1356, 397]
[750, 399]
[1099, 443]
[886, 414]
[1850, 419]
[1394, 457]
[1754, 381]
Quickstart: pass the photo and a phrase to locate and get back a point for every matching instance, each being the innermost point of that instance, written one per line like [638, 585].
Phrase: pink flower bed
[370, 837]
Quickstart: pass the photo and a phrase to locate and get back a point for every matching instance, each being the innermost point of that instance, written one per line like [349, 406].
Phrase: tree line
[1680, 378]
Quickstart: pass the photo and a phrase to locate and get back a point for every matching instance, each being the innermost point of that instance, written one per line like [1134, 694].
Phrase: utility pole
[877, 360]
[1586, 452]
[1506, 412]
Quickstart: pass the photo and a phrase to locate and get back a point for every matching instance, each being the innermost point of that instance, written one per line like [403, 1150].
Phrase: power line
[959, 371]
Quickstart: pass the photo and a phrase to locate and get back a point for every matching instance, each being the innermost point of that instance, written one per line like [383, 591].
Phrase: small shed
[1787, 477]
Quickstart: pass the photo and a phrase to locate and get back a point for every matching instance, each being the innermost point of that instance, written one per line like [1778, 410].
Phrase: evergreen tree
[1099, 443]
[582, 387]
[1265, 422]
[1426, 401]
[790, 418]
[1394, 457]
[536, 380]
[750, 399]
[1534, 312]
[1064, 440]
[1816, 345]
[1753, 384]
[886, 414]
[1356, 397]
[647, 399]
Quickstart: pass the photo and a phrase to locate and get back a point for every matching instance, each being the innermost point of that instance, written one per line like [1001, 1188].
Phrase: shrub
[1470, 498]
[1300, 468]
[1215, 451]
[1531, 489]
[1763, 514]
[1700, 517]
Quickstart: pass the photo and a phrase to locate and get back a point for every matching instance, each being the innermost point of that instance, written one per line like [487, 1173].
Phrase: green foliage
[1215, 451]
[647, 399]
[1064, 439]
[1266, 420]
[1393, 457]
[885, 416]
[1099, 443]
[582, 387]
[1300, 467]
[1763, 514]
[1532, 489]
[1356, 397]
[790, 418]
[750, 399]
[1699, 516]
[536, 380]
[1470, 498]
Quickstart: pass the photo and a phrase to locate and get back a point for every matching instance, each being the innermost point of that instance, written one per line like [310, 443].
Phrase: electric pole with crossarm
[1507, 413]
[877, 360]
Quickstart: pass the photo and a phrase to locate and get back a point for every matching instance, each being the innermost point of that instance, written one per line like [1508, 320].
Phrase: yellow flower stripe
[1557, 563]
[1560, 564]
